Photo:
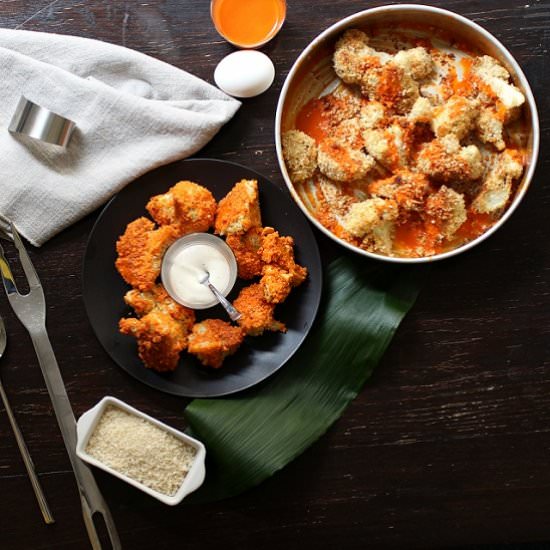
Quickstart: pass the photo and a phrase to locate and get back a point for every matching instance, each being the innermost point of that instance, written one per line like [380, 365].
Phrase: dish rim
[338, 27]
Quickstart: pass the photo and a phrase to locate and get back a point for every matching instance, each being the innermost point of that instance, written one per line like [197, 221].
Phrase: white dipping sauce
[187, 266]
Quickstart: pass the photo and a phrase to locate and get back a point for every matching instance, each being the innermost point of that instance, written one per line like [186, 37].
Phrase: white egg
[245, 73]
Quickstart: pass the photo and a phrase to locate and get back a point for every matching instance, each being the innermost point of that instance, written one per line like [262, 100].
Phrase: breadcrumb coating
[160, 339]
[257, 313]
[239, 210]
[213, 340]
[408, 189]
[157, 299]
[300, 154]
[388, 146]
[276, 283]
[445, 160]
[187, 206]
[140, 250]
[421, 111]
[339, 162]
[447, 208]
[457, 116]
[363, 217]
[490, 128]
[417, 62]
[245, 246]
[497, 186]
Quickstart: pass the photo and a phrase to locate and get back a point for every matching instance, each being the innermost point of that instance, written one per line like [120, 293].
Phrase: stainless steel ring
[40, 123]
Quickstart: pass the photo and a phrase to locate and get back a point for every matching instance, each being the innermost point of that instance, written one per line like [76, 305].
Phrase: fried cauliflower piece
[490, 128]
[457, 116]
[407, 189]
[366, 216]
[391, 86]
[446, 160]
[213, 340]
[140, 250]
[279, 251]
[349, 133]
[300, 154]
[157, 299]
[372, 115]
[447, 209]
[187, 206]
[276, 283]
[257, 313]
[421, 111]
[497, 78]
[417, 62]
[497, 187]
[160, 339]
[246, 247]
[352, 56]
[388, 146]
[339, 162]
[239, 210]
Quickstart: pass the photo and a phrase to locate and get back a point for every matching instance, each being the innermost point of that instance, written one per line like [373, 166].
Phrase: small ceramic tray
[86, 425]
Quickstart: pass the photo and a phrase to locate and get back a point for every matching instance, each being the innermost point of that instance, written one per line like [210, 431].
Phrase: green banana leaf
[251, 436]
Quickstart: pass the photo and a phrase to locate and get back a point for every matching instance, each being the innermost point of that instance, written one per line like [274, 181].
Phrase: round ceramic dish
[312, 75]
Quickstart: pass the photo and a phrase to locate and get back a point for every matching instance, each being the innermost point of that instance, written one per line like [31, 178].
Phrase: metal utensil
[233, 313]
[30, 308]
[25, 455]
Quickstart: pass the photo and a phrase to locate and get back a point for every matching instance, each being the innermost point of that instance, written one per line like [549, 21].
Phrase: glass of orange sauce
[248, 23]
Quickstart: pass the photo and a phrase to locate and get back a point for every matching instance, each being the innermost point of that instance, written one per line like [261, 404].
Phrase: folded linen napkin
[132, 113]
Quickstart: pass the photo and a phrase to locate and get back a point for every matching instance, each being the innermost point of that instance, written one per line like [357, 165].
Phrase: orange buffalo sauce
[248, 23]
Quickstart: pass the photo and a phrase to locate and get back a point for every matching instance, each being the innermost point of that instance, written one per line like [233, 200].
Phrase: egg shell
[246, 73]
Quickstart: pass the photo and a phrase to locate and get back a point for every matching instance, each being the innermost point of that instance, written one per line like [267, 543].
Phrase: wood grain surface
[447, 446]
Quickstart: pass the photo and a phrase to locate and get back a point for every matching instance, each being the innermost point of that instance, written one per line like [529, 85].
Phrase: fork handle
[25, 455]
[91, 498]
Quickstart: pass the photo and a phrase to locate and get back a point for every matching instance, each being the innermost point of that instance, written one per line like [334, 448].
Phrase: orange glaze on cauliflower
[245, 246]
[213, 340]
[239, 210]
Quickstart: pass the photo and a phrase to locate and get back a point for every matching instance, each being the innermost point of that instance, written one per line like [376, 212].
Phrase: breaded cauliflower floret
[391, 86]
[140, 250]
[246, 247]
[497, 77]
[157, 299]
[276, 283]
[490, 128]
[372, 115]
[447, 209]
[407, 189]
[457, 116]
[497, 187]
[350, 98]
[160, 339]
[187, 206]
[422, 111]
[353, 55]
[279, 251]
[300, 154]
[349, 133]
[213, 340]
[416, 61]
[239, 210]
[446, 160]
[257, 313]
[363, 217]
[387, 146]
[339, 162]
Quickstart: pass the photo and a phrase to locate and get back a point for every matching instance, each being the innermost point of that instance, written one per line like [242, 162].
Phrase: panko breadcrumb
[246, 247]
[187, 206]
[447, 208]
[213, 340]
[300, 154]
[339, 162]
[239, 210]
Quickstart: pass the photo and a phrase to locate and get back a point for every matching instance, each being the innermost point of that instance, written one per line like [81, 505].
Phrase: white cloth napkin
[132, 113]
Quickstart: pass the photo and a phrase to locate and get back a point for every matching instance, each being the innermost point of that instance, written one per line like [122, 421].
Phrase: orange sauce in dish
[248, 23]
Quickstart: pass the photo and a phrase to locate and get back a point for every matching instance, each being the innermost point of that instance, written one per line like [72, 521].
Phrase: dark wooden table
[448, 445]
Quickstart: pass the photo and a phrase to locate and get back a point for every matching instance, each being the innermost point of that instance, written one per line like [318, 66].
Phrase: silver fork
[25, 455]
[30, 308]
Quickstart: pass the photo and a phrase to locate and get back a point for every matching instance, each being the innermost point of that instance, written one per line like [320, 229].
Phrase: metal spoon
[226, 304]
[44, 508]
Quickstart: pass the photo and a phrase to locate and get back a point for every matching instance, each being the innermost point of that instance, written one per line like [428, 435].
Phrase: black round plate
[257, 358]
